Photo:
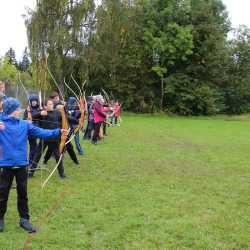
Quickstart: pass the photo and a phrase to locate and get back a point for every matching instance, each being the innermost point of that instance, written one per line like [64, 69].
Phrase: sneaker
[81, 153]
[25, 224]
[1, 225]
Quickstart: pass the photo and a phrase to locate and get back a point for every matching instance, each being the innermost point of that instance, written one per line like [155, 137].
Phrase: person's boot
[1, 225]
[25, 224]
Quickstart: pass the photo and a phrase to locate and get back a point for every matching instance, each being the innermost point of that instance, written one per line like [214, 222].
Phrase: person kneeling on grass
[13, 158]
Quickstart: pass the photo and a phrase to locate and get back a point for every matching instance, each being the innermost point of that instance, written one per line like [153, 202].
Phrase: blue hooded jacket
[74, 113]
[35, 110]
[13, 140]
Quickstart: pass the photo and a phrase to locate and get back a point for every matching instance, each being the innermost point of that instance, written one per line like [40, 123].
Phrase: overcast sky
[13, 32]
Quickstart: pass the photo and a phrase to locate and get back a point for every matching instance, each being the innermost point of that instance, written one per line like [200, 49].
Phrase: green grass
[154, 183]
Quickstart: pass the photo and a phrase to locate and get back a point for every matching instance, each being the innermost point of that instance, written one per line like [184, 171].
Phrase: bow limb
[106, 95]
[56, 83]
[80, 91]
[72, 91]
[83, 109]
[65, 125]
[81, 103]
[21, 83]
[29, 118]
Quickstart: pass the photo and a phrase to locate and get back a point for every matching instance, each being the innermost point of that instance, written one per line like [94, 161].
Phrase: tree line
[175, 56]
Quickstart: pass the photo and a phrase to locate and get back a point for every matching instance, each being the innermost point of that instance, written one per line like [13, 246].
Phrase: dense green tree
[171, 55]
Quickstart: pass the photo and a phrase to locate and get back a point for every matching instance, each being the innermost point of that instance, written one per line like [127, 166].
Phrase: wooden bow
[65, 125]
[82, 104]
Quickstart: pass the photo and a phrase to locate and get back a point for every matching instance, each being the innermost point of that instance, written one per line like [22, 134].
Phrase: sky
[13, 31]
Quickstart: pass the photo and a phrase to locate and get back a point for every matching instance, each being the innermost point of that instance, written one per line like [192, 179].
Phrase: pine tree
[11, 54]
[25, 62]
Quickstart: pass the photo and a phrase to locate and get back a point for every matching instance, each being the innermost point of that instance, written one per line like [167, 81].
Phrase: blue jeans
[78, 145]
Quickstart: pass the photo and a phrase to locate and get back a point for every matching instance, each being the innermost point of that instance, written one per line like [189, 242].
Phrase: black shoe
[94, 142]
[63, 176]
[45, 163]
[30, 174]
[25, 224]
[1, 225]
[77, 162]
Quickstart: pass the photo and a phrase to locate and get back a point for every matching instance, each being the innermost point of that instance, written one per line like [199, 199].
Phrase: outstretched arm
[43, 133]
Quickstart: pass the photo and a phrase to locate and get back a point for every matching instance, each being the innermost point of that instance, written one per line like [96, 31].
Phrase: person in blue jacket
[14, 134]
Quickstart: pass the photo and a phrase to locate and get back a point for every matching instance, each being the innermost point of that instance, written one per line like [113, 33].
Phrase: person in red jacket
[99, 117]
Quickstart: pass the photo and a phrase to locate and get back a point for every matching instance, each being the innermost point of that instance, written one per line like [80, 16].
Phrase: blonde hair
[2, 83]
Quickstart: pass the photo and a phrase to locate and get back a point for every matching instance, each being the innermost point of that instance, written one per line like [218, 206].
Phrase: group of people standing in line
[41, 127]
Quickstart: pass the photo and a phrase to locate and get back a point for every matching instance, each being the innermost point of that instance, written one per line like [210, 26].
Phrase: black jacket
[52, 120]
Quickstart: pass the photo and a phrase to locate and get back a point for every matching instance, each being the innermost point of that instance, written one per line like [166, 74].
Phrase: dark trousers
[88, 130]
[6, 178]
[104, 128]
[53, 148]
[33, 147]
[70, 150]
[97, 127]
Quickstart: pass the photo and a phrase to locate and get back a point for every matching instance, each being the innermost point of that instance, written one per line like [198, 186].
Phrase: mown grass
[154, 183]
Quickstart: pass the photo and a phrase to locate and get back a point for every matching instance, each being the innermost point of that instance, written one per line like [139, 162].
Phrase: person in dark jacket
[13, 159]
[73, 121]
[48, 119]
[31, 113]
[90, 125]
[74, 114]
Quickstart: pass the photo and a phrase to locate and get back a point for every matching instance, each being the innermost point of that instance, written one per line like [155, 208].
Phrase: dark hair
[53, 95]
[46, 101]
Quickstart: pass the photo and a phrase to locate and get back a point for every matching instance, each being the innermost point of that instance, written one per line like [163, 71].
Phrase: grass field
[154, 183]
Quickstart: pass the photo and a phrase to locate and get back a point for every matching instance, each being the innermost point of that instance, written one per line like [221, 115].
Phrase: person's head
[34, 101]
[49, 105]
[72, 103]
[2, 87]
[100, 99]
[90, 99]
[54, 97]
[11, 107]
